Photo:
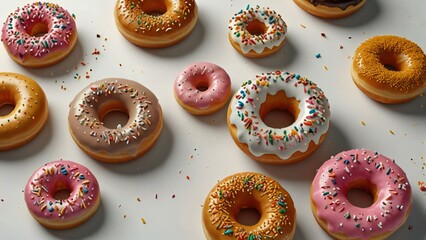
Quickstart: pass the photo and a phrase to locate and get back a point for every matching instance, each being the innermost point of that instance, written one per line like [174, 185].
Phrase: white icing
[283, 142]
[273, 37]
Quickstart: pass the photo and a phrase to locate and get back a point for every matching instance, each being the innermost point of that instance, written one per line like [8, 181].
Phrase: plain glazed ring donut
[249, 190]
[285, 91]
[20, 34]
[29, 115]
[202, 88]
[155, 23]
[330, 8]
[257, 32]
[368, 170]
[47, 189]
[389, 69]
[124, 143]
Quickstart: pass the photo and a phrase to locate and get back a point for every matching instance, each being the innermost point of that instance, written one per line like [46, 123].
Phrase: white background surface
[201, 147]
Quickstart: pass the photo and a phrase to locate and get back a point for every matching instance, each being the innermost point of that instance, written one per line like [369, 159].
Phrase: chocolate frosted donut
[123, 143]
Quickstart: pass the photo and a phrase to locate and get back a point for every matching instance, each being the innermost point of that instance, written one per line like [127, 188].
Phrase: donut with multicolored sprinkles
[257, 32]
[368, 170]
[288, 92]
[125, 142]
[156, 23]
[47, 189]
[39, 34]
[249, 190]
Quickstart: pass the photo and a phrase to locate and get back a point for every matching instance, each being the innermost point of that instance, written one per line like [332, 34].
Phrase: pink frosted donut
[367, 170]
[22, 29]
[57, 178]
[202, 88]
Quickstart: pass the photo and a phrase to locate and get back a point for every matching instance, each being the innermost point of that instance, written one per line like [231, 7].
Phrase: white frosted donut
[285, 91]
[257, 32]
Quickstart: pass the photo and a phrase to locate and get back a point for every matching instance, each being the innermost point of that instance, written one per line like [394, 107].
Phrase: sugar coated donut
[285, 91]
[29, 115]
[389, 69]
[368, 170]
[249, 190]
[22, 29]
[62, 194]
[155, 23]
[202, 88]
[330, 8]
[124, 143]
[257, 32]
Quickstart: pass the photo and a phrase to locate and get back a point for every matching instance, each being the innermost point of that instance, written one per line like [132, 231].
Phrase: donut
[257, 32]
[202, 88]
[39, 34]
[124, 143]
[278, 91]
[155, 23]
[62, 194]
[30, 112]
[389, 69]
[370, 171]
[253, 191]
[330, 8]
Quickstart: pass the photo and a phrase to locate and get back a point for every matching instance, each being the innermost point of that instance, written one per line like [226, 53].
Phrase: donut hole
[362, 194]
[38, 30]
[279, 111]
[248, 216]
[7, 103]
[6, 108]
[113, 114]
[393, 62]
[202, 85]
[256, 27]
[155, 7]
[62, 193]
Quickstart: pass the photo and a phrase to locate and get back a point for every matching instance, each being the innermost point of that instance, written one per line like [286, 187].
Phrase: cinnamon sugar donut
[389, 69]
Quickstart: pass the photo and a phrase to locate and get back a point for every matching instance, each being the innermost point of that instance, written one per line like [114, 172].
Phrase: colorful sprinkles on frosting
[130, 132]
[15, 33]
[274, 35]
[312, 122]
[45, 183]
[332, 184]
[223, 197]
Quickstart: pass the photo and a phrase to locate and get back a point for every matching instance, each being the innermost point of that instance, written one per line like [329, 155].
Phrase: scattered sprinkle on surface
[143, 220]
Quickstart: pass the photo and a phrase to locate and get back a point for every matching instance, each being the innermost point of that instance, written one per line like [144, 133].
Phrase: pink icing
[206, 74]
[15, 33]
[331, 185]
[42, 185]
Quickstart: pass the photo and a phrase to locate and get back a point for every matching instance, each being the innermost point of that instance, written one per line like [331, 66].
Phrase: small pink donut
[202, 88]
[59, 212]
[367, 170]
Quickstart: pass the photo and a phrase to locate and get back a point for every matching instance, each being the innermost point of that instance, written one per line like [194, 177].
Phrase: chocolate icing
[342, 4]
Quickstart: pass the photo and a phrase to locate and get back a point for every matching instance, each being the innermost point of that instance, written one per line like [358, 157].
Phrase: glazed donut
[389, 69]
[249, 190]
[367, 170]
[124, 143]
[20, 34]
[330, 8]
[155, 23]
[202, 88]
[29, 115]
[285, 91]
[257, 32]
[46, 194]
